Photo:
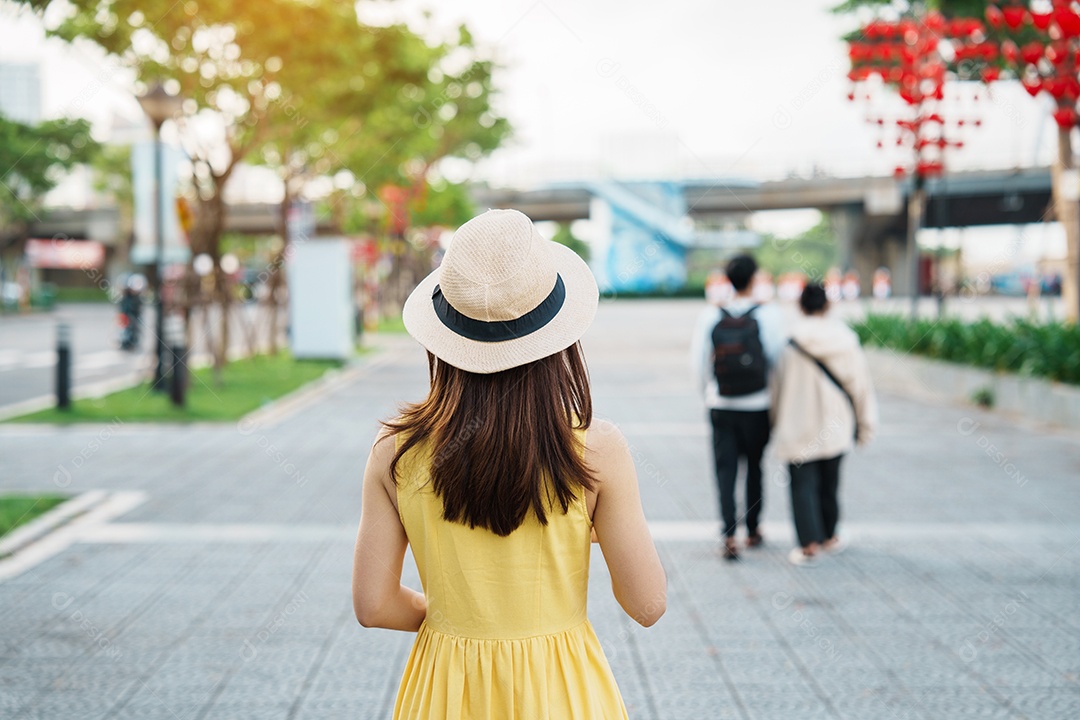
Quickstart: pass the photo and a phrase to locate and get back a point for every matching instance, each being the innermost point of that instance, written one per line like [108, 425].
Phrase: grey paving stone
[956, 597]
[254, 708]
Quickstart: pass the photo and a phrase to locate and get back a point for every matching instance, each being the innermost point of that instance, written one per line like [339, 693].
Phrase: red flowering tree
[911, 58]
[1036, 42]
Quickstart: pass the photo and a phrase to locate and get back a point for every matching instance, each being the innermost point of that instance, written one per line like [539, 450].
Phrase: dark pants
[739, 433]
[813, 499]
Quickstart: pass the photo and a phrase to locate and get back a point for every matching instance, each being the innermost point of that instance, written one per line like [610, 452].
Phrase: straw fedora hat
[503, 296]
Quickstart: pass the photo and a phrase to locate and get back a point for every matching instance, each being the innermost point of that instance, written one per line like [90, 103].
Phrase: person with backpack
[733, 349]
[823, 404]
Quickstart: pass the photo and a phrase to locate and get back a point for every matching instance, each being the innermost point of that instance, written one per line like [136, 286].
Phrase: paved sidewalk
[226, 593]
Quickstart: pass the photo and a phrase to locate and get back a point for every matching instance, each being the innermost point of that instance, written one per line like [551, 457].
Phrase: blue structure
[649, 234]
[645, 234]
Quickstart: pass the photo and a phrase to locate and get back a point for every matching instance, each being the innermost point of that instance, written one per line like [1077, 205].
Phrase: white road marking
[56, 542]
[41, 359]
[9, 358]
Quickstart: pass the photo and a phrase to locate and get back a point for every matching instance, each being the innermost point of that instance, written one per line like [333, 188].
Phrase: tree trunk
[206, 238]
[1067, 211]
[221, 290]
[277, 268]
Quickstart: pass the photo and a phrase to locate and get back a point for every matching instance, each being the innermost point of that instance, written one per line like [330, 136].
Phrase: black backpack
[738, 358]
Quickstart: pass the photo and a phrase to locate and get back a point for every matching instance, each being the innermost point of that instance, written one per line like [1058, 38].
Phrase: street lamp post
[159, 105]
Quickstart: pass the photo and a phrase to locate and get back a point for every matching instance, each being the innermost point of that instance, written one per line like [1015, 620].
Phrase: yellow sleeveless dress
[506, 635]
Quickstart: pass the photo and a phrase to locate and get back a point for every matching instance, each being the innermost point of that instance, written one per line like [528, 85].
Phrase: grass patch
[16, 510]
[247, 385]
[393, 325]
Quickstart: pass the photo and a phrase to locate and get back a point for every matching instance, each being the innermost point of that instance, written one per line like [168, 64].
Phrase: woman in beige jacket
[818, 418]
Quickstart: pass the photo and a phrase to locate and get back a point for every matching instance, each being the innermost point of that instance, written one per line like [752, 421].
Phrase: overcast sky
[627, 88]
[699, 87]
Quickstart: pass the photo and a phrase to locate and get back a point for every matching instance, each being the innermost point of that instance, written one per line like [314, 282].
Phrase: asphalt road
[28, 350]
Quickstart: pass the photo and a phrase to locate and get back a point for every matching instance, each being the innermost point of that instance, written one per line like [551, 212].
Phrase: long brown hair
[504, 443]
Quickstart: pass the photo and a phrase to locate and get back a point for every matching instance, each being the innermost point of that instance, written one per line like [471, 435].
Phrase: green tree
[433, 102]
[564, 236]
[443, 204]
[301, 86]
[812, 252]
[33, 158]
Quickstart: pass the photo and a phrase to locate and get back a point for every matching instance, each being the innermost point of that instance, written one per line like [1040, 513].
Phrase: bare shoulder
[604, 436]
[384, 446]
[606, 449]
[382, 454]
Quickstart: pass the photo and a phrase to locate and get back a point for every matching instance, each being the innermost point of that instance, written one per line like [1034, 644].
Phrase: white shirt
[771, 326]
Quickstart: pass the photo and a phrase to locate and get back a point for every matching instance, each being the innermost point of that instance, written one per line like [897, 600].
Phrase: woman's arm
[379, 598]
[637, 577]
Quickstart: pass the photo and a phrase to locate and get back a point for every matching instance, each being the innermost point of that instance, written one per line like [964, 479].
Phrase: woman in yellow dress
[498, 480]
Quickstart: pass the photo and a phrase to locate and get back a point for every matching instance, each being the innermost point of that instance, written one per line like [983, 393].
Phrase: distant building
[20, 92]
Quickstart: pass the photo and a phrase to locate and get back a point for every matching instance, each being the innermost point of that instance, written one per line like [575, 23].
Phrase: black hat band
[500, 330]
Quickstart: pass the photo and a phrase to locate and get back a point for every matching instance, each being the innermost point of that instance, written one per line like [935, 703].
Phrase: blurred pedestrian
[732, 350]
[823, 404]
[834, 289]
[762, 289]
[717, 288]
[851, 288]
[131, 312]
[790, 286]
[882, 283]
[496, 480]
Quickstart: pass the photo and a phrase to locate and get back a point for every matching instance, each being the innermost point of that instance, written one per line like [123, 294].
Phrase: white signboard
[321, 312]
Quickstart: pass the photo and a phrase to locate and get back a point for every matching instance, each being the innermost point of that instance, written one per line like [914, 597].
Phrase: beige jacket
[812, 419]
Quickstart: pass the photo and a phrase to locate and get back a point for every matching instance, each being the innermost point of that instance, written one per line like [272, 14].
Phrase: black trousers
[739, 434]
[814, 486]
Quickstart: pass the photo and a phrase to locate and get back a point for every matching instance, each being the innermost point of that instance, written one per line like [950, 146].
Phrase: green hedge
[1019, 346]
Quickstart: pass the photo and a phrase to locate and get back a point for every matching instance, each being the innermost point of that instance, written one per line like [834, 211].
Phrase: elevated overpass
[974, 198]
[868, 214]
[104, 223]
